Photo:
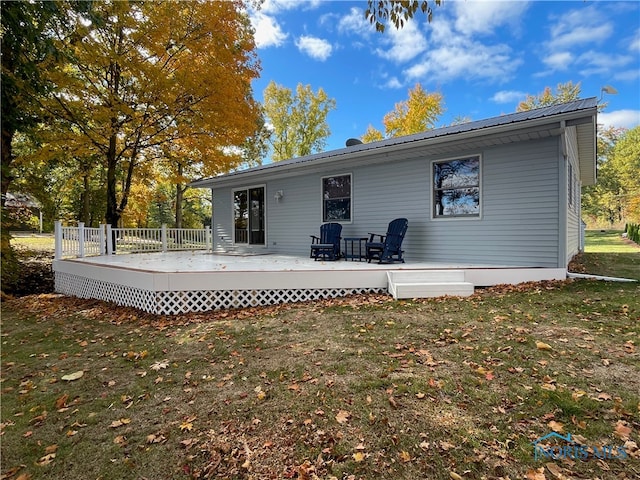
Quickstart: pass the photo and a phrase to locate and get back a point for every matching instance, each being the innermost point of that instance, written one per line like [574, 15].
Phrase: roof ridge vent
[352, 142]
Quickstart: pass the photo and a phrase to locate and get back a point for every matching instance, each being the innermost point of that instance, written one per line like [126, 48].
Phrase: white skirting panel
[176, 302]
[175, 283]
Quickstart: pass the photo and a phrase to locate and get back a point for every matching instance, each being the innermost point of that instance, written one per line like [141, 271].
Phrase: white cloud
[558, 60]
[316, 48]
[578, 27]
[277, 6]
[355, 23]
[456, 56]
[508, 96]
[268, 31]
[627, 75]
[634, 42]
[620, 118]
[484, 16]
[405, 43]
[393, 82]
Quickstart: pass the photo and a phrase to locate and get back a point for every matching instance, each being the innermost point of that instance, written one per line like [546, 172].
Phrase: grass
[362, 387]
[607, 253]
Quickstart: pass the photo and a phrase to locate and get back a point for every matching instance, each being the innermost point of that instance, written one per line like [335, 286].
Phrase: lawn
[607, 253]
[361, 387]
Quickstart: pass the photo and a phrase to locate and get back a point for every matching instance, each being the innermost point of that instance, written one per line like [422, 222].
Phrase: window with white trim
[456, 187]
[336, 198]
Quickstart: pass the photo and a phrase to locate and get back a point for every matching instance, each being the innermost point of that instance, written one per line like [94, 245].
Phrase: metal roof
[565, 111]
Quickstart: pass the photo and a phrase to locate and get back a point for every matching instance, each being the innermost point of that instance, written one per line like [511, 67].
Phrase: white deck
[179, 282]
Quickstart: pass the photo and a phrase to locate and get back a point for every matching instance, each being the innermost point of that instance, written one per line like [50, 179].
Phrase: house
[503, 191]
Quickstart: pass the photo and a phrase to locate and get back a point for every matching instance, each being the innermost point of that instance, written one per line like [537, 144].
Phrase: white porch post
[58, 239]
[81, 239]
[209, 238]
[101, 239]
[109, 240]
[163, 237]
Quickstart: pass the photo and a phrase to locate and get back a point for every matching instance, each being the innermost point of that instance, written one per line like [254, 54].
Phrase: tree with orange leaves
[145, 78]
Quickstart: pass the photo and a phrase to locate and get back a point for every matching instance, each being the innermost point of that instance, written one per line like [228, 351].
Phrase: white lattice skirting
[171, 303]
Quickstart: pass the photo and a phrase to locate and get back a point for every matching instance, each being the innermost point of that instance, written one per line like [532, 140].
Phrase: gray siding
[573, 210]
[520, 214]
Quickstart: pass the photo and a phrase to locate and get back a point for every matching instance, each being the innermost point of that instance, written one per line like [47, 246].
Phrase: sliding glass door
[248, 216]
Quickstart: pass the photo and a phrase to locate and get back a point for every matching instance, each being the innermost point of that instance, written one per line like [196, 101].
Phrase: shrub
[633, 232]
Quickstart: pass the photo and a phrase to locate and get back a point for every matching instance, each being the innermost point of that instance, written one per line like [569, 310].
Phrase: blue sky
[483, 57]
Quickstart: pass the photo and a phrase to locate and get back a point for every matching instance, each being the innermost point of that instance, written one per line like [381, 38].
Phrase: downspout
[562, 197]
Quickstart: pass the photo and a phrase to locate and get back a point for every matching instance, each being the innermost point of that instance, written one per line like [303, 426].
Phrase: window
[336, 198]
[248, 216]
[456, 188]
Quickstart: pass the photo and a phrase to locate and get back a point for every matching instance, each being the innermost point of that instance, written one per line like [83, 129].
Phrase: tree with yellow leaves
[142, 76]
[418, 113]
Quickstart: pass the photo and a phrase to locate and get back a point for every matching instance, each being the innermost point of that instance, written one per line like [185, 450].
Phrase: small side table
[351, 252]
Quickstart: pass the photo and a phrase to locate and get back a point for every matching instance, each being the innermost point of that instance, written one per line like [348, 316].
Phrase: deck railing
[83, 241]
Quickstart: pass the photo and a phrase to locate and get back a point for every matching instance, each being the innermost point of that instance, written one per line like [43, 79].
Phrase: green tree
[298, 121]
[397, 12]
[625, 160]
[141, 75]
[418, 113]
[565, 92]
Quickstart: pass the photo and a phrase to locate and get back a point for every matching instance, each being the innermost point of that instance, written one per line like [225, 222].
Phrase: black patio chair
[388, 248]
[327, 245]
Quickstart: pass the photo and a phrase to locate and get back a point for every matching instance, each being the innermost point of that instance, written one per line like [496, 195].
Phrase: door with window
[248, 216]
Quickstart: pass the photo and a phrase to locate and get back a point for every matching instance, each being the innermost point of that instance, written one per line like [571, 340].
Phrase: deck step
[428, 283]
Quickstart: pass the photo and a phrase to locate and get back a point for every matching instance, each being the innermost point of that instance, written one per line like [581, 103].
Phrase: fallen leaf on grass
[73, 376]
[160, 365]
[536, 474]
[61, 402]
[46, 460]
[186, 426]
[556, 426]
[455, 476]
[358, 457]
[119, 423]
[543, 346]
[159, 438]
[555, 470]
[342, 416]
[405, 457]
[622, 431]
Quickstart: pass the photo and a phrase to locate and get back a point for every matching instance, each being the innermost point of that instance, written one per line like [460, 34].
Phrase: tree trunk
[86, 201]
[179, 198]
[113, 214]
[7, 158]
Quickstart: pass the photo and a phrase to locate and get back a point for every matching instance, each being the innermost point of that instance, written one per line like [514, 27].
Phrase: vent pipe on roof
[352, 142]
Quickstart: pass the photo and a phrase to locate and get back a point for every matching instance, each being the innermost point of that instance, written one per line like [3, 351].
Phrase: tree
[142, 75]
[418, 113]
[565, 92]
[625, 160]
[397, 12]
[299, 122]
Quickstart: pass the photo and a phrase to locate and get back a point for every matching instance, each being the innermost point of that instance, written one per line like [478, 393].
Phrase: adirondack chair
[388, 248]
[327, 245]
